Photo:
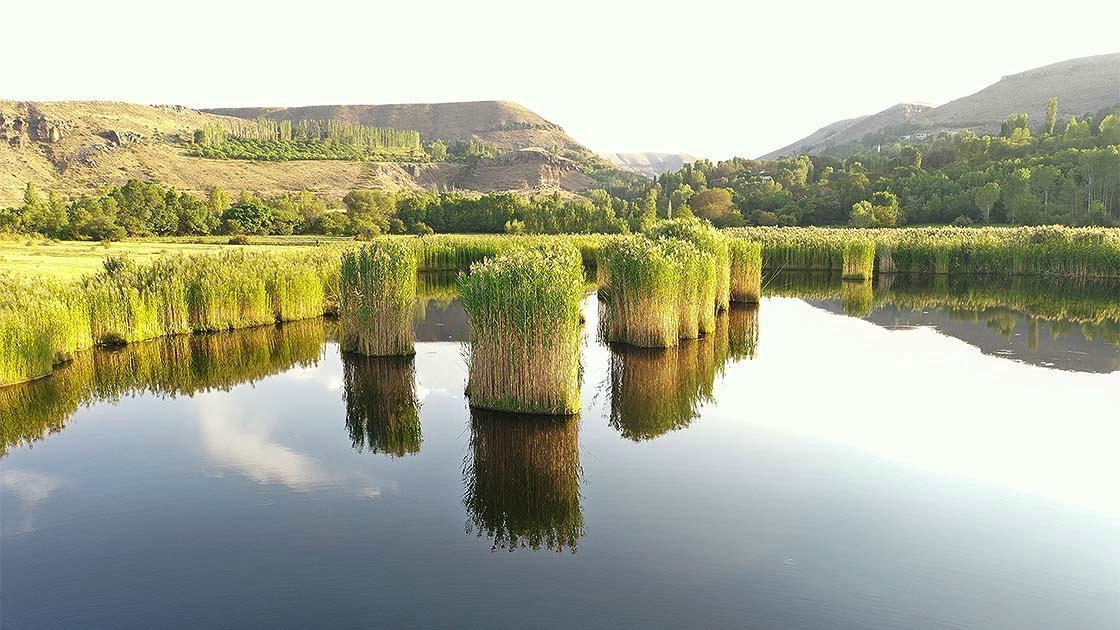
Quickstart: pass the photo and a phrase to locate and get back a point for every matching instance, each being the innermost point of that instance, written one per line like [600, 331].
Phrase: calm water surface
[917, 454]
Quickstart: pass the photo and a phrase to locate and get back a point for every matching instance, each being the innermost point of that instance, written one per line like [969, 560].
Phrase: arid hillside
[1085, 85]
[501, 123]
[78, 145]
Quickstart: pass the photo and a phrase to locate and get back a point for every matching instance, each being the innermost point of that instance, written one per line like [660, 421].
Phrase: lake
[922, 453]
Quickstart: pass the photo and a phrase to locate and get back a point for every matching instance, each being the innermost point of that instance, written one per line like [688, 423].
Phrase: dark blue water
[800, 469]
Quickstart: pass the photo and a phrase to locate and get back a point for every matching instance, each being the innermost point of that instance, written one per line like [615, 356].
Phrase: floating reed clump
[859, 260]
[378, 288]
[642, 294]
[693, 294]
[522, 481]
[709, 241]
[746, 271]
[524, 314]
[382, 412]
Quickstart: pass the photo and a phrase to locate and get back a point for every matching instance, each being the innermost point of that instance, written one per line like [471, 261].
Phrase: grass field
[69, 260]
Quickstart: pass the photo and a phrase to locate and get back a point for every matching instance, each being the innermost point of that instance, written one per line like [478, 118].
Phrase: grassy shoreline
[65, 297]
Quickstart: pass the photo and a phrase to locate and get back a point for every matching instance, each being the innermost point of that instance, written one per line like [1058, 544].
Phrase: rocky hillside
[649, 164]
[75, 146]
[1083, 86]
[501, 123]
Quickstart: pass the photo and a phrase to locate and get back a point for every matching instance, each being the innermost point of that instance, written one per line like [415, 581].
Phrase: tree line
[1065, 172]
[271, 140]
[139, 209]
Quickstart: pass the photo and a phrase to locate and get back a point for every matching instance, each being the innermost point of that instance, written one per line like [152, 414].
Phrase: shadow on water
[182, 365]
[1068, 324]
[382, 412]
[522, 481]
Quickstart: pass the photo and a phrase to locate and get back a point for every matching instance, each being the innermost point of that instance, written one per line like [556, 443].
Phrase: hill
[501, 123]
[649, 164]
[75, 146]
[1085, 85]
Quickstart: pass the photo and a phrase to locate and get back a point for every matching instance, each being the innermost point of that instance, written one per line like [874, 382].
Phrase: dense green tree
[1013, 122]
[715, 205]
[248, 216]
[986, 197]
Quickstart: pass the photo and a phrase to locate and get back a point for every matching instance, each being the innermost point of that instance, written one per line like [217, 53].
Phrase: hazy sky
[709, 78]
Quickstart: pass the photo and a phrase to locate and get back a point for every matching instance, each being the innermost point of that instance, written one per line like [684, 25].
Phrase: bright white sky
[709, 78]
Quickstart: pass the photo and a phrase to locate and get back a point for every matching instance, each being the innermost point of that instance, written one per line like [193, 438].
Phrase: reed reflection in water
[522, 481]
[180, 365]
[654, 391]
[382, 411]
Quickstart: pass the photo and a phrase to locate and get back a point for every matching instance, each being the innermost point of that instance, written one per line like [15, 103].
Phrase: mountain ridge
[1083, 85]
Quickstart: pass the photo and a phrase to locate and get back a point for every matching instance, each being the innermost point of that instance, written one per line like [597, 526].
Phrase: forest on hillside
[1063, 172]
[268, 140]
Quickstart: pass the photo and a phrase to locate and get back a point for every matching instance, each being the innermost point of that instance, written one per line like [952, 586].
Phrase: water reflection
[439, 314]
[182, 365]
[857, 297]
[1067, 324]
[522, 480]
[742, 335]
[657, 390]
[382, 412]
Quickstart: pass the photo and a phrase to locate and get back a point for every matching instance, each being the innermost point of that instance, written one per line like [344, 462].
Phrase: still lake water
[925, 453]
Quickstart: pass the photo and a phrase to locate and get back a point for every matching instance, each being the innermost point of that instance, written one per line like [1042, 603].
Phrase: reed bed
[457, 252]
[1045, 251]
[378, 290]
[522, 481]
[382, 412]
[524, 316]
[859, 259]
[746, 271]
[47, 322]
[42, 324]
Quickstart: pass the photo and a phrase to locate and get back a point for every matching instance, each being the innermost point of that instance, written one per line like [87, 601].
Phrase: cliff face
[73, 147]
